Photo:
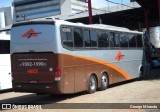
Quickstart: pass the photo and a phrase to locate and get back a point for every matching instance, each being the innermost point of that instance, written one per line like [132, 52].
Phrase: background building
[5, 16]
[33, 9]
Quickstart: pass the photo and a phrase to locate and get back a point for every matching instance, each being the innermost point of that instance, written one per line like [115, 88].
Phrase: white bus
[60, 57]
[5, 64]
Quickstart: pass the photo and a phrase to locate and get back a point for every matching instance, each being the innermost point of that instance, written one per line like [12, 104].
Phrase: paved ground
[145, 91]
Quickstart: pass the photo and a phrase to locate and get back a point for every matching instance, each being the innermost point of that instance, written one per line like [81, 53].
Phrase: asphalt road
[145, 91]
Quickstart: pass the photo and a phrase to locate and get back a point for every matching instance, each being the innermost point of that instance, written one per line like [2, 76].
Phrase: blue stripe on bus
[17, 4]
[41, 12]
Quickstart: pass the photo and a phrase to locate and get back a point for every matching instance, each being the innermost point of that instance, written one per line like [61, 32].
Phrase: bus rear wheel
[92, 84]
[104, 82]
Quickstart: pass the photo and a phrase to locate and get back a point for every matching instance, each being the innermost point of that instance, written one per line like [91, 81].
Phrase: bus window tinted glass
[112, 39]
[4, 46]
[123, 40]
[132, 40]
[67, 38]
[117, 40]
[139, 41]
[78, 40]
[103, 39]
[93, 36]
[86, 36]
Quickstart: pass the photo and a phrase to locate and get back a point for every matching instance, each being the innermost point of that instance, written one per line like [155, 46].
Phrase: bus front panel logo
[119, 56]
[30, 33]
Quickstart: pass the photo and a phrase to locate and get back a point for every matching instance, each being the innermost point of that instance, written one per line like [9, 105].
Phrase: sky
[95, 3]
[5, 3]
[103, 3]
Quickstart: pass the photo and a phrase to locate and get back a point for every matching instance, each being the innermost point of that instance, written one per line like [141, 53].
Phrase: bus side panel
[116, 77]
[5, 70]
[80, 80]
[68, 80]
[77, 71]
[74, 79]
[130, 64]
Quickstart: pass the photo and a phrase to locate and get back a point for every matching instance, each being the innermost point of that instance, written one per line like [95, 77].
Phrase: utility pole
[90, 11]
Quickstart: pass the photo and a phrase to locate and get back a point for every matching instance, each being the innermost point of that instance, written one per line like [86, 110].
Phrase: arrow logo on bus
[30, 33]
[119, 56]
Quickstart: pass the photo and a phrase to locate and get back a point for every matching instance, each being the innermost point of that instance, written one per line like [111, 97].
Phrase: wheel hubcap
[104, 80]
[92, 84]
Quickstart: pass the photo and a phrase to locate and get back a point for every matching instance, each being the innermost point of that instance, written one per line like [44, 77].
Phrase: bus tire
[104, 82]
[92, 84]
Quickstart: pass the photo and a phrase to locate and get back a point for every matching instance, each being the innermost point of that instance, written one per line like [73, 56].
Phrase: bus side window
[132, 40]
[67, 39]
[111, 39]
[87, 40]
[117, 40]
[103, 39]
[139, 41]
[78, 38]
[1, 46]
[124, 40]
[4, 46]
[93, 36]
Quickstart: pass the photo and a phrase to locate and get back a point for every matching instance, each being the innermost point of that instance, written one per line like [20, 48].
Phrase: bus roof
[63, 22]
[4, 36]
[7, 28]
[99, 26]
